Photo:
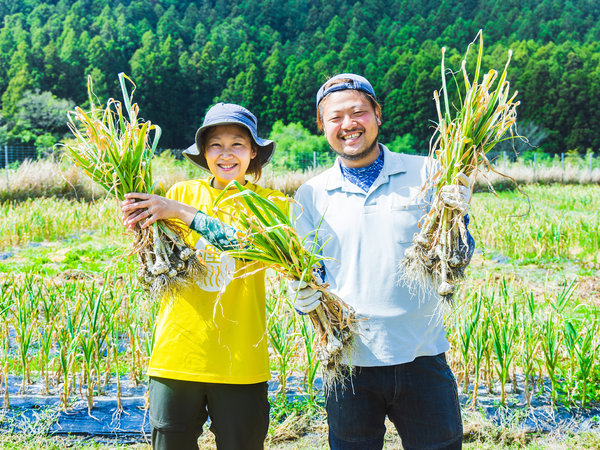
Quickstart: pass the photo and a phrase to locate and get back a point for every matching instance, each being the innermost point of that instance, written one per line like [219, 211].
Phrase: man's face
[351, 127]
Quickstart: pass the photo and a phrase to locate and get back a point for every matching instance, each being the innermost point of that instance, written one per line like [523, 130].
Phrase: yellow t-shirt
[214, 331]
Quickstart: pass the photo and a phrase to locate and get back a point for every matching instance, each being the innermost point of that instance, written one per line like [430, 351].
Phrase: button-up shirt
[364, 236]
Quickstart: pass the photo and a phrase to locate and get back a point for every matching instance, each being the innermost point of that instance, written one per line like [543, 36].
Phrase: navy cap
[356, 82]
[229, 114]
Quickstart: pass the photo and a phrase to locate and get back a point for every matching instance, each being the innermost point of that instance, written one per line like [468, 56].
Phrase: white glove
[305, 298]
[457, 196]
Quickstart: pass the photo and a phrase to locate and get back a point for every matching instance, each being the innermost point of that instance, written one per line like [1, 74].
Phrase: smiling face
[351, 126]
[228, 151]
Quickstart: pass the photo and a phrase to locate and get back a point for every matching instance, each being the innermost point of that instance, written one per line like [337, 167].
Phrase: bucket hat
[229, 114]
[356, 82]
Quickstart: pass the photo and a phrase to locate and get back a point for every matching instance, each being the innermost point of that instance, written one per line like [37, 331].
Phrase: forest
[272, 56]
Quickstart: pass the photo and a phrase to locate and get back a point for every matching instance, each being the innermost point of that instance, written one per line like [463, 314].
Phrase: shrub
[297, 148]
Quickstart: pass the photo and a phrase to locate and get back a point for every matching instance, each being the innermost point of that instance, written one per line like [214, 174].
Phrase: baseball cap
[355, 82]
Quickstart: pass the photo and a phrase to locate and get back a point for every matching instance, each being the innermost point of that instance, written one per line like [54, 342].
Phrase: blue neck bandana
[364, 177]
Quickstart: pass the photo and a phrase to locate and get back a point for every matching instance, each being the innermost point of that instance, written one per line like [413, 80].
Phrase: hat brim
[266, 147]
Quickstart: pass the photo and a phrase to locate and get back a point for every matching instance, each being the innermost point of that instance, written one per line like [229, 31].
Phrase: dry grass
[290, 434]
[288, 183]
[49, 178]
[525, 174]
[293, 427]
[588, 289]
[479, 433]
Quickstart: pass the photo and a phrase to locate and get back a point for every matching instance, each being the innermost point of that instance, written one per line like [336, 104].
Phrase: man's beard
[367, 151]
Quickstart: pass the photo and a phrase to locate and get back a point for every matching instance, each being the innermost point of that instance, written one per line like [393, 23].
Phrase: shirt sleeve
[466, 249]
[305, 224]
[302, 217]
[220, 235]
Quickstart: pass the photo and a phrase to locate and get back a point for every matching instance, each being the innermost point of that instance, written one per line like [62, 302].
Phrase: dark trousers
[420, 398]
[239, 414]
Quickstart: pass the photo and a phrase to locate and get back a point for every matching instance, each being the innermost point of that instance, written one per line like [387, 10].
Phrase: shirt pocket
[408, 198]
[406, 209]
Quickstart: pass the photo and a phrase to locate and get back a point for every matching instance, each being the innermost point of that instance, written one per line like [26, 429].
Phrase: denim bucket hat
[229, 114]
[356, 82]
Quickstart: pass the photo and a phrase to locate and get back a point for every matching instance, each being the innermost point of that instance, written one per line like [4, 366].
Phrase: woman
[210, 355]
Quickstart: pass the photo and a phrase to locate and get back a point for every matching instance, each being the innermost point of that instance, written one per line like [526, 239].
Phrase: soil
[39, 414]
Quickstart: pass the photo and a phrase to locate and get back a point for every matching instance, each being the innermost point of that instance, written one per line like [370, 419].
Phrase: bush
[297, 149]
[406, 144]
[40, 119]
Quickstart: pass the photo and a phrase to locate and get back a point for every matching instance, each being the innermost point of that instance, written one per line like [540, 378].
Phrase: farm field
[76, 332]
[500, 96]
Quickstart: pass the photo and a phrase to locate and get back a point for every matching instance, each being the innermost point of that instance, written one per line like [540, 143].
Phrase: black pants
[239, 414]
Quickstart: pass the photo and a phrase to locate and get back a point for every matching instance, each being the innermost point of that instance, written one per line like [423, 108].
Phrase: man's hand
[305, 298]
[458, 196]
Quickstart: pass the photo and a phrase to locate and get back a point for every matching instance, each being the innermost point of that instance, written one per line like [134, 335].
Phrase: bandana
[364, 177]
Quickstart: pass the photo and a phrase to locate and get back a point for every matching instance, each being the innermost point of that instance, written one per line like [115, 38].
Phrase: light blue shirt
[364, 236]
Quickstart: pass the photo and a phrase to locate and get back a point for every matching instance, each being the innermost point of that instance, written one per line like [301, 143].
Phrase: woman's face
[228, 152]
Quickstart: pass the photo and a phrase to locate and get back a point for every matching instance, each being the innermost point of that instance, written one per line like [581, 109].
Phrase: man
[367, 208]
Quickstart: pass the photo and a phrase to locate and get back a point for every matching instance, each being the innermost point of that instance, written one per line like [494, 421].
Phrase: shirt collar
[391, 166]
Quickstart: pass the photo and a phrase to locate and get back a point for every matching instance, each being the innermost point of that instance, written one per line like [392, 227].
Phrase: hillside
[272, 56]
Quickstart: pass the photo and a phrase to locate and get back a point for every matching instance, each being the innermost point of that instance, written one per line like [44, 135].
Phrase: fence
[12, 156]
[535, 160]
[282, 161]
[16, 154]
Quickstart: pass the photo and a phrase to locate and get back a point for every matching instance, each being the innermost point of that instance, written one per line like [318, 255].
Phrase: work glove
[305, 298]
[457, 196]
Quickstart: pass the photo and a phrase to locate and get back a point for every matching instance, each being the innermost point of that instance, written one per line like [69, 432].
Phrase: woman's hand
[150, 208]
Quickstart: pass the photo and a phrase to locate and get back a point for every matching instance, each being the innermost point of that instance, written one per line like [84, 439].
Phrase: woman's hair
[376, 106]
[255, 166]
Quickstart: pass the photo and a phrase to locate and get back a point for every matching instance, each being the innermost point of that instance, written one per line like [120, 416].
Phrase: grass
[59, 178]
[92, 253]
[552, 223]
[54, 219]
[29, 442]
[68, 252]
[479, 434]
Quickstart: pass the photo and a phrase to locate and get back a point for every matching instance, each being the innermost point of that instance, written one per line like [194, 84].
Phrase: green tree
[273, 56]
[20, 80]
[40, 118]
[244, 89]
[169, 24]
[409, 108]
[155, 69]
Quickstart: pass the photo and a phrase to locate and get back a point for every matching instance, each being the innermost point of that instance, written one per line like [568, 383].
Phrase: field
[76, 331]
